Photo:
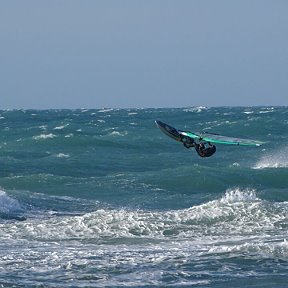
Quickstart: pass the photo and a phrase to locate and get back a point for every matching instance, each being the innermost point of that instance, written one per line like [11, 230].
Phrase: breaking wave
[10, 208]
[278, 159]
[237, 214]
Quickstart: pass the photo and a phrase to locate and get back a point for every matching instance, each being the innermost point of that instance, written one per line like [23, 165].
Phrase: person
[188, 142]
[205, 151]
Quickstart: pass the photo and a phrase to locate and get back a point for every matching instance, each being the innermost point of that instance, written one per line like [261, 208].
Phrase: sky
[143, 53]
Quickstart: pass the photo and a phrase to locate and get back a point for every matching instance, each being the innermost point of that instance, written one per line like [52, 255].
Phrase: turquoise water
[102, 198]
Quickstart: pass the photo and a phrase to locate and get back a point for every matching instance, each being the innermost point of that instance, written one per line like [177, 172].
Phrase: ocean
[102, 198]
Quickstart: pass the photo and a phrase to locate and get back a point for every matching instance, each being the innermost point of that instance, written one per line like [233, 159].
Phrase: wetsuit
[187, 142]
[205, 152]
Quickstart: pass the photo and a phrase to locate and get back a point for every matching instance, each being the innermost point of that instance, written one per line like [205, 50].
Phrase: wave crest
[237, 195]
[278, 159]
[235, 213]
[10, 208]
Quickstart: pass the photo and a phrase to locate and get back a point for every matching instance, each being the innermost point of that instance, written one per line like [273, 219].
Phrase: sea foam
[44, 136]
[10, 208]
[279, 159]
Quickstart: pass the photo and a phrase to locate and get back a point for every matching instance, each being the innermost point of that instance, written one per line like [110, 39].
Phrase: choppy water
[102, 198]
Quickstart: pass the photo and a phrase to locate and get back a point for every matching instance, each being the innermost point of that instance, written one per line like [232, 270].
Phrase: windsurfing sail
[204, 137]
[220, 139]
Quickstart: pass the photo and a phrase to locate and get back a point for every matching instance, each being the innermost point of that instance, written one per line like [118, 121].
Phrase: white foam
[264, 112]
[43, 127]
[117, 133]
[61, 127]
[44, 136]
[62, 155]
[239, 216]
[105, 110]
[195, 109]
[238, 195]
[237, 224]
[255, 246]
[69, 135]
[279, 159]
[237, 212]
[267, 110]
[8, 205]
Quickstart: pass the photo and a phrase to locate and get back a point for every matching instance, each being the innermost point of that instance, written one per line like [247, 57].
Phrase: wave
[10, 208]
[235, 231]
[238, 214]
[195, 109]
[117, 133]
[44, 136]
[62, 155]
[61, 127]
[278, 159]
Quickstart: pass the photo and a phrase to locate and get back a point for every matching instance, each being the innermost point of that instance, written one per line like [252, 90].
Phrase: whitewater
[102, 198]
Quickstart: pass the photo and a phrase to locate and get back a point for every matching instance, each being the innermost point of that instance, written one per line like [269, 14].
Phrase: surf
[273, 159]
[109, 200]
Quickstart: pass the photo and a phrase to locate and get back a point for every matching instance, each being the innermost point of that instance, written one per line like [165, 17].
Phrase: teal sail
[219, 139]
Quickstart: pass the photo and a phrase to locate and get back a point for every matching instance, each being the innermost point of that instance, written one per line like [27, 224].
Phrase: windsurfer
[188, 142]
[205, 151]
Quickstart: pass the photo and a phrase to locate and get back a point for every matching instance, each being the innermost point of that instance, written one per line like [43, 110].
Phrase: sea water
[102, 198]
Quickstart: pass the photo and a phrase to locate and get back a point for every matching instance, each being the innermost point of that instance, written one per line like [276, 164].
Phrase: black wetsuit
[205, 152]
[187, 142]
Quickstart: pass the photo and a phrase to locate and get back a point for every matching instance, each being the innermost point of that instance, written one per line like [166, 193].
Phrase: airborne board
[205, 137]
[168, 130]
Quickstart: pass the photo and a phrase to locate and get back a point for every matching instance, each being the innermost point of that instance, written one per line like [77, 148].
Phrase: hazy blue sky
[152, 53]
